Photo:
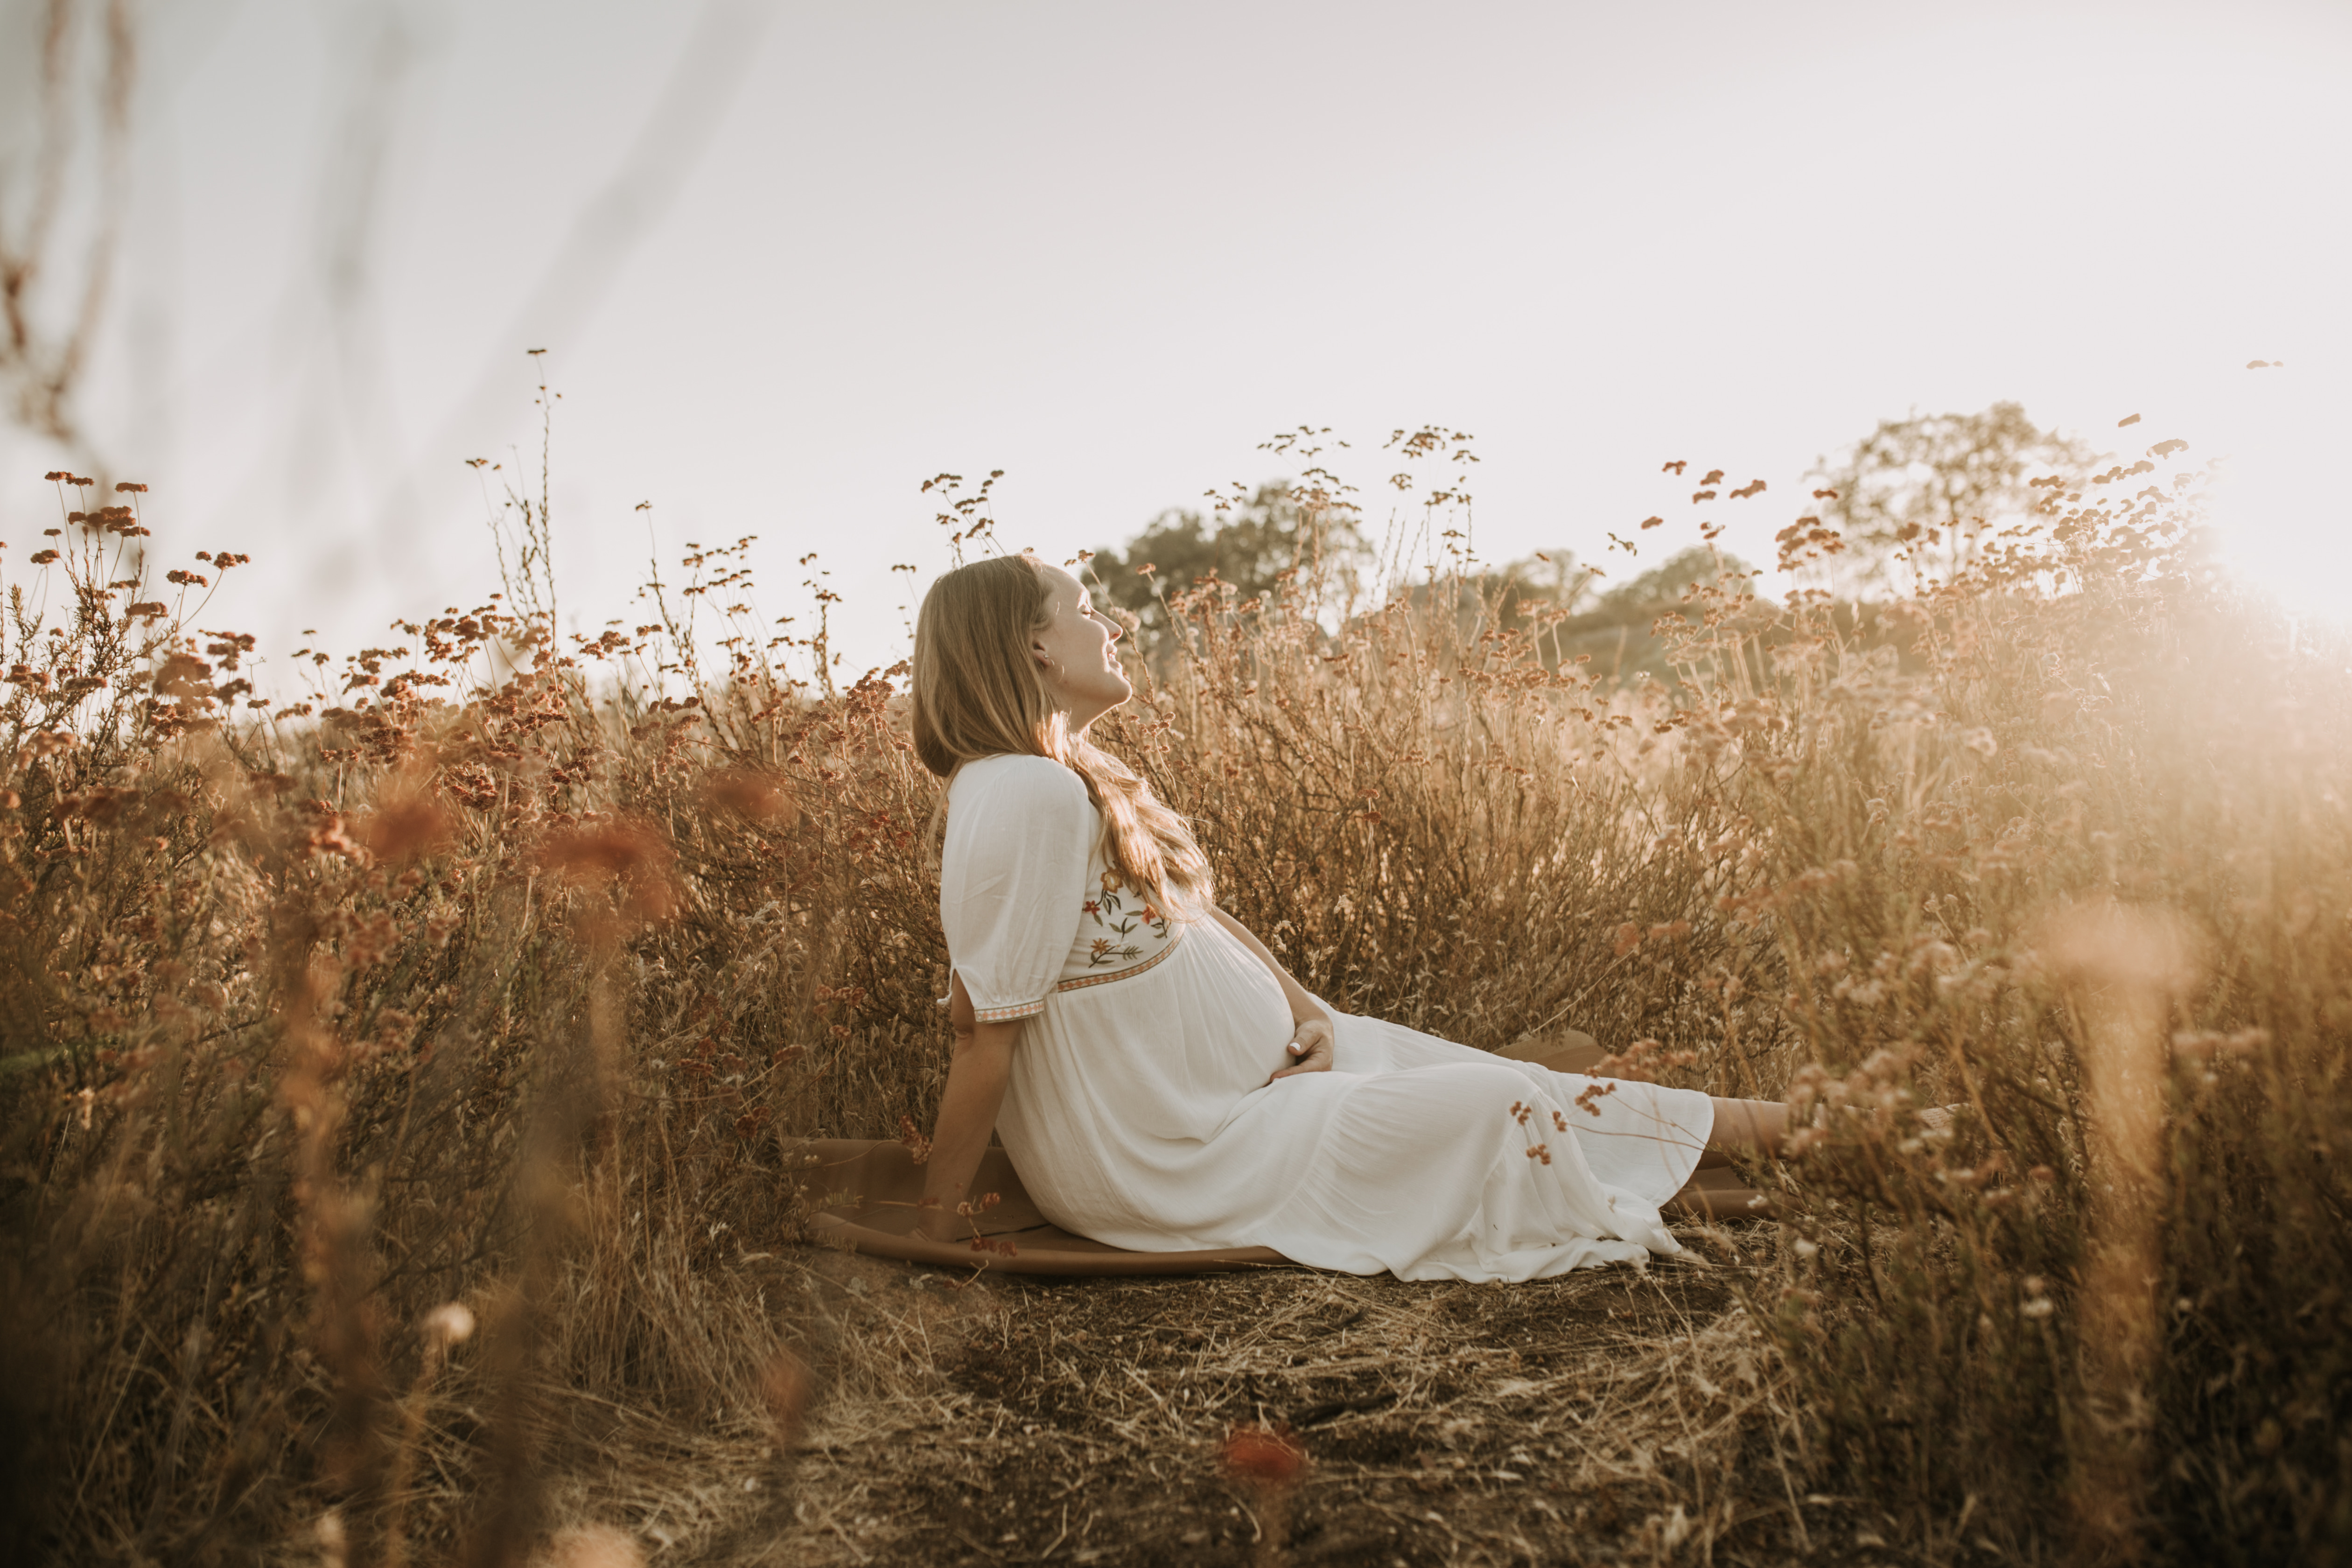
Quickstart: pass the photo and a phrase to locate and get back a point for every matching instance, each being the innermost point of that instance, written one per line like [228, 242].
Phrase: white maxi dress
[1140, 1111]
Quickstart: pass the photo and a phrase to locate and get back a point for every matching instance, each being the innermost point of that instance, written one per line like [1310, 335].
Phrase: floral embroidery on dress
[1110, 911]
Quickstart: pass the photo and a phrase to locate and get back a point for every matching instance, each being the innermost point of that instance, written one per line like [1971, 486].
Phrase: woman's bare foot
[1719, 1194]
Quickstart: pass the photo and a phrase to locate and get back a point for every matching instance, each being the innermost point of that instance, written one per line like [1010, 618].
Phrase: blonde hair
[977, 692]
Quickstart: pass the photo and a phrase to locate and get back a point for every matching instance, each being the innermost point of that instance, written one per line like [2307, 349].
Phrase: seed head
[450, 1324]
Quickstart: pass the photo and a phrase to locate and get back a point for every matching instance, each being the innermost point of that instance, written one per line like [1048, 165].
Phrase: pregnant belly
[1132, 1109]
[1199, 1042]
[1234, 982]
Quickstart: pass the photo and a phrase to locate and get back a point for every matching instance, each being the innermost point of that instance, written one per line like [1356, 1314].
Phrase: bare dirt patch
[1614, 1414]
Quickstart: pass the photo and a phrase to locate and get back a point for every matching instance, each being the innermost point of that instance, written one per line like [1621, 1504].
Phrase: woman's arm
[977, 1077]
[1312, 1041]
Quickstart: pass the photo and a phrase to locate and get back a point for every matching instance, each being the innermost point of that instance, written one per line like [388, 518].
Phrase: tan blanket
[865, 1195]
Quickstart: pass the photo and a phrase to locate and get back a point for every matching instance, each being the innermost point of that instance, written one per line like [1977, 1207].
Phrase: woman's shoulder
[1011, 776]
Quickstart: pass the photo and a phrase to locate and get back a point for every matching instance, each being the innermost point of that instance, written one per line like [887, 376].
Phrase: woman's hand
[1310, 1048]
[1311, 1038]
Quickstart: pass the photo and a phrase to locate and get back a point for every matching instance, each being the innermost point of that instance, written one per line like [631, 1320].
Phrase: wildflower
[325, 834]
[917, 1146]
[181, 674]
[473, 785]
[1263, 1458]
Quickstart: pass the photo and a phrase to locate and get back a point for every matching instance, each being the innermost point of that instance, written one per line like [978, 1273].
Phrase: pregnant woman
[1159, 1080]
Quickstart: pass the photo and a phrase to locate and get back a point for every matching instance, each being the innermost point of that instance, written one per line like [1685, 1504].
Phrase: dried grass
[1463, 1423]
[505, 975]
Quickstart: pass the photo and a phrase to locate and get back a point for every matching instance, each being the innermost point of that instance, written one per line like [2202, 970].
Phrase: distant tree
[1661, 587]
[1554, 584]
[1550, 581]
[1616, 632]
[1552, 595]
[1253, 544]
[1930, 488]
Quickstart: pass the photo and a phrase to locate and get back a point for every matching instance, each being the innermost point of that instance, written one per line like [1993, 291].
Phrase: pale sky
[787, 273]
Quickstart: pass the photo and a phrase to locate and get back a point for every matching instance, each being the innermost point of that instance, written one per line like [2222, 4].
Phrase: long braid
[1149, 844]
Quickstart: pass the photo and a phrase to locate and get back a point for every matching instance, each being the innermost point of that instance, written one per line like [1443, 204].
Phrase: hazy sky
[789, 261]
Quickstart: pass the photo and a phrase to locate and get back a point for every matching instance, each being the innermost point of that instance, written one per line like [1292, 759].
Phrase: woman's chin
[1095, 704]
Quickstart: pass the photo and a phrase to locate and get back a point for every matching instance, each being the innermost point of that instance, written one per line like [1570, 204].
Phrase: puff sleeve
[1013, 877]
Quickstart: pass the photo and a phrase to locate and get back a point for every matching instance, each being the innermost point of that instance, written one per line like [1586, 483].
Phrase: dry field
[401, 1091]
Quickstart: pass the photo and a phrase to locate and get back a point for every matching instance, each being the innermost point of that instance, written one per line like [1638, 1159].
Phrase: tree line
[1919, 495]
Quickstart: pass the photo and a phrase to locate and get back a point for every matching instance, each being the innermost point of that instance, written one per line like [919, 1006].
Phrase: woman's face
[1074, 649]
